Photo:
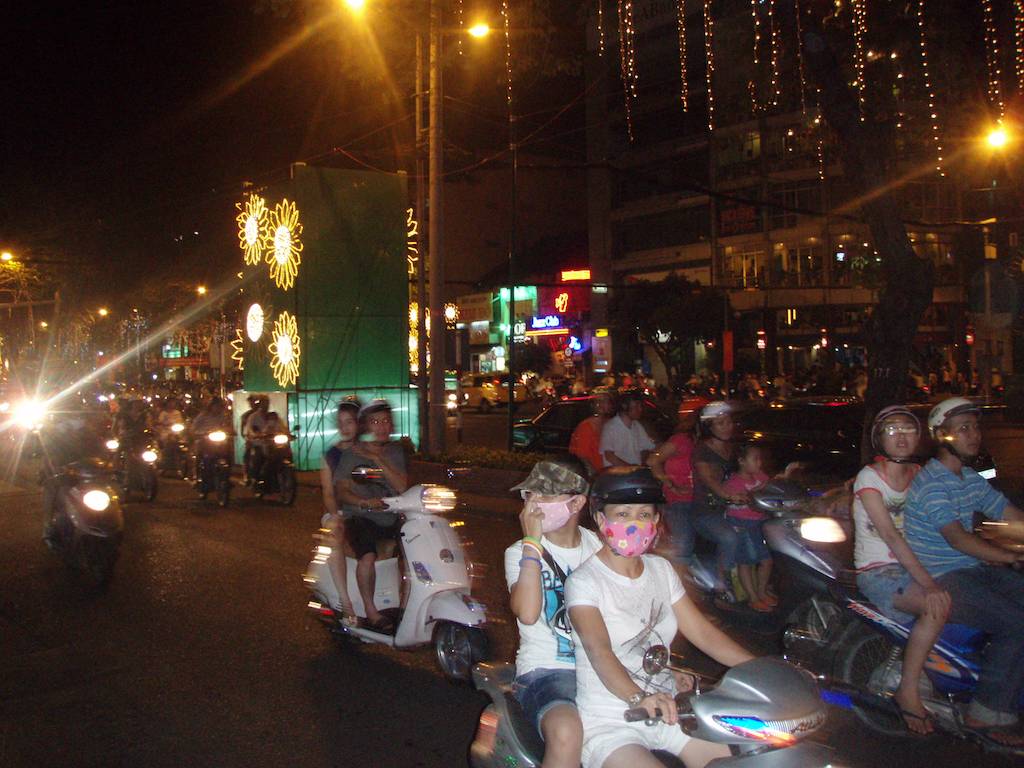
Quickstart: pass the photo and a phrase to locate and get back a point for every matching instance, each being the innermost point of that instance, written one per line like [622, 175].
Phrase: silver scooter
[763, 709]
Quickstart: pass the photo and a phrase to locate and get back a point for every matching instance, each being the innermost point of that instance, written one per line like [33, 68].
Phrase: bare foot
[914, 715]
[1004, 735]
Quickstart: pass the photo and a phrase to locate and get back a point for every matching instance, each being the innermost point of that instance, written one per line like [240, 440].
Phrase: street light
[201, 290]
[997, 138]
[103, 312]
[6, 256]
[480, 29]
[356, 6]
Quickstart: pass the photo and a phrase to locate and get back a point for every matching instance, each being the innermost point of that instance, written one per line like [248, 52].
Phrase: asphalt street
[201, 652]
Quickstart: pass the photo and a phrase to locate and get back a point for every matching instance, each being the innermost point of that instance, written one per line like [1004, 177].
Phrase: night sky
[130, 126]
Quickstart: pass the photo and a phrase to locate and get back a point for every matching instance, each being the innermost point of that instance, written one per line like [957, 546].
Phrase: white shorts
[602, 739]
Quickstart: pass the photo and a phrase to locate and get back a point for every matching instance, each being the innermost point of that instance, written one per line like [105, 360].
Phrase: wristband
[528, 559]
[534, 542]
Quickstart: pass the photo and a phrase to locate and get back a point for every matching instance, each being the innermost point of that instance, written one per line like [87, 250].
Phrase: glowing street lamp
[103, 311]
[6, 256]
[201, 290]
[480, 29]
[356, 6]
[997, 138]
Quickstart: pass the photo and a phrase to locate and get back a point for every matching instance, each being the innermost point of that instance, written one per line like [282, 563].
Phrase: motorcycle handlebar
[639, 714]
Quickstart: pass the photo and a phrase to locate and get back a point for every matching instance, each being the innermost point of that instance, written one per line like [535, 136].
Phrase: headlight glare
[95, 500]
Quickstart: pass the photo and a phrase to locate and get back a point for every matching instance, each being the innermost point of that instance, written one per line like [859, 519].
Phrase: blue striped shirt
[937, 498]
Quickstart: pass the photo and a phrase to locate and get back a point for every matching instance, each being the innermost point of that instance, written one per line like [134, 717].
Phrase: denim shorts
[541, 689]
[750, 549]
[882, 585]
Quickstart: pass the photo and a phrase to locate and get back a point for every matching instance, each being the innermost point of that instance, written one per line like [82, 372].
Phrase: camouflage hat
[553, 478]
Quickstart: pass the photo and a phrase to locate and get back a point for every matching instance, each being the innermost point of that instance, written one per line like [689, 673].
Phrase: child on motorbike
[536, 567]
[622, 601]
[888, 572]
[753, 558]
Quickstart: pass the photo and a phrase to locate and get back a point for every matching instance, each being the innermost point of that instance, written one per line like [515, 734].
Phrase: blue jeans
[677, 514]
[714, 527]
[541, 689]
[750, 548]
[992, 599]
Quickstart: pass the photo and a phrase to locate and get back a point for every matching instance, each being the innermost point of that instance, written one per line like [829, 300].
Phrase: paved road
[201, 653]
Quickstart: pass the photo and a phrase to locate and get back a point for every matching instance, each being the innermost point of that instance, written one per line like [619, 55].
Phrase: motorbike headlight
[280, 439]
[112, 445]
[149, 455]
[437, 498]
[824, 530]
[29, 414]
[218, 436]
[95, 500]
[5, 407]
[177, 428]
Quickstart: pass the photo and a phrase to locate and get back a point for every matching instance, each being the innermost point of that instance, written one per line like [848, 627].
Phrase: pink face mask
[556, 514]
[629, 539]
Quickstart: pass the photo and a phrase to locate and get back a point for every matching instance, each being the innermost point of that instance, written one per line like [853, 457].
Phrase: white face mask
[556, 514]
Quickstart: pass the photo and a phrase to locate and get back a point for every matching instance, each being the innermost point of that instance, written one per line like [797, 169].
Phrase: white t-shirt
[625, 442]
[869, 548]
[638, 614]
[547, 643]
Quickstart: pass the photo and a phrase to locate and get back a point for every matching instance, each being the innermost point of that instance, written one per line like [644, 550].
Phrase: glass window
[744, 269]
[796, 265]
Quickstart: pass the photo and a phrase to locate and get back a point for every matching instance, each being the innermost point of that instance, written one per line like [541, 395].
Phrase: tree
[669, 315]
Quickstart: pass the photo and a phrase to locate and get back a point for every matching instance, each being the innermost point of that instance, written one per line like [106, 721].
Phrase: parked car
[552, 428]
[824, 433]
[487, 390]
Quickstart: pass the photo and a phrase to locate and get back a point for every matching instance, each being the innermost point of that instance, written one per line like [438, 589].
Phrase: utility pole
[435, 238]
[512, 279]
[422, 392]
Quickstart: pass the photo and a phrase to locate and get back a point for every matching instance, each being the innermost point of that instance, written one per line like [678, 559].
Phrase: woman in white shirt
[622, 601]
[888, 572]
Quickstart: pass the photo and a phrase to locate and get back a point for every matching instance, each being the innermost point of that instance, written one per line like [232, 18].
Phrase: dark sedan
[552, 428]
[824, 433]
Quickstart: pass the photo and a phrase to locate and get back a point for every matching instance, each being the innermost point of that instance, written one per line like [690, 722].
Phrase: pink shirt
[679, 469]
[740, 483]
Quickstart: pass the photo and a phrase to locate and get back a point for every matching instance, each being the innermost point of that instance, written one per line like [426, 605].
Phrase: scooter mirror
[655, 659]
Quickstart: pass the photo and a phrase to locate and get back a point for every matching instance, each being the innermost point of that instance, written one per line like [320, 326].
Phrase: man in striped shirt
[938, 525]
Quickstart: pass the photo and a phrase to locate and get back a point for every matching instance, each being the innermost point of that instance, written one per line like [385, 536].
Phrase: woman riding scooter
[622, 602]
[536, 567]
[888, 572]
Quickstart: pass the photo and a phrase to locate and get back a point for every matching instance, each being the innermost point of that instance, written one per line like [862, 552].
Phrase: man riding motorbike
[73, 437]
[259, 431]
[939, 524]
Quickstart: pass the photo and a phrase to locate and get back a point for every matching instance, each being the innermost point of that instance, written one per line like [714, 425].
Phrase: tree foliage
[532, 357]
[669, 315]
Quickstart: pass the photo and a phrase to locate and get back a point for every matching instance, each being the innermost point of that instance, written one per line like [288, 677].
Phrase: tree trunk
[908, 279]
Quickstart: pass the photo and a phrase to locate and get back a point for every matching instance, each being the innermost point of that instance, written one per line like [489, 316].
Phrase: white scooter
[430, 591]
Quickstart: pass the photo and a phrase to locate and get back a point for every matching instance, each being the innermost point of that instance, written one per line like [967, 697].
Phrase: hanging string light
[821, 140]
[995, 72]
[709, 56]
[627, 61]
[800, 60]
[1018, 39]
[506, 22]
[774, 88]
[860, 28]
[684, 94]
[462, 28]
[600, 27]
[756, 76]
[922, 42]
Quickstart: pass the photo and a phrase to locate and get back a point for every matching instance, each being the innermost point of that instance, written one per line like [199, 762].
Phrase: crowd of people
[587, 604]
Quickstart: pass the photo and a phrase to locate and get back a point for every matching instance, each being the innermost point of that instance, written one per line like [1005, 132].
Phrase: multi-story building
[759, 206]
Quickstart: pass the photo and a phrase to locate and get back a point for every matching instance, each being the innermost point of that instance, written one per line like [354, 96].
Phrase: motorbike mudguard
[805, 754]
[449, 606]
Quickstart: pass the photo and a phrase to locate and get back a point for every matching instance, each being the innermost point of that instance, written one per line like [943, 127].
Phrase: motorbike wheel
[150, 485]
[866, 660]
[96, 560]
[286, 486]
[818, 625]
[223, 492]
[458, 648]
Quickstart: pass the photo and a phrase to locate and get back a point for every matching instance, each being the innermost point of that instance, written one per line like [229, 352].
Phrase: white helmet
[715, 409]
[953, 406]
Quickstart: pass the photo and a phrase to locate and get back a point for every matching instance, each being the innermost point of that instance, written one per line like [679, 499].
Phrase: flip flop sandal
[909, 716]
[384, 625]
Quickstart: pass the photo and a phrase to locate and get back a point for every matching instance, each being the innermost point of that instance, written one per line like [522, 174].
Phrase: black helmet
[625, 485]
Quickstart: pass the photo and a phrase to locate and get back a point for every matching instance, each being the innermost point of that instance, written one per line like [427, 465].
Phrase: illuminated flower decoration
[284, 244]
[237, 351]
[284, 349]
[253, 228]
